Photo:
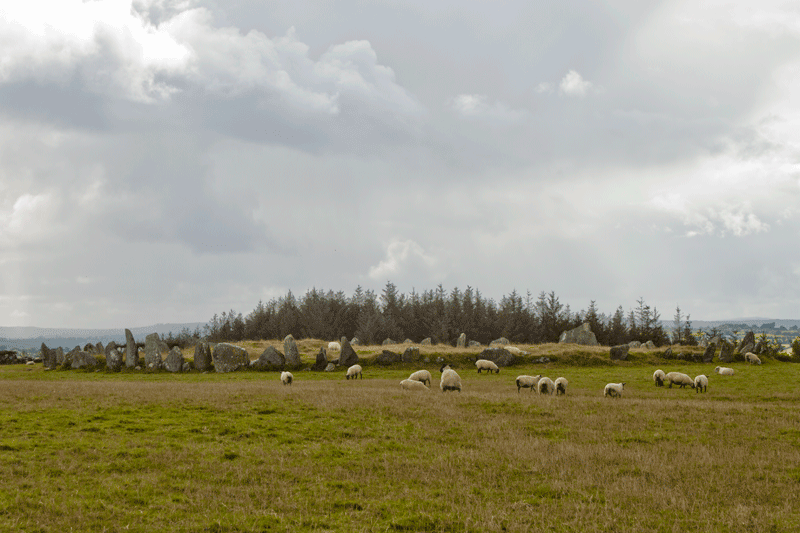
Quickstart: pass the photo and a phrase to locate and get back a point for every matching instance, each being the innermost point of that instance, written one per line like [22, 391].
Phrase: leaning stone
[330, 368]
[462, 341]
[499, 355]
[202, 356]
[502, 341]
[114, 360]
[292, 354]
[322, 360]
[619, 353]
[581, 335]
[229, 358]
[270, 359]
[410, 355]
[152, 351]
[708, 354]
[348, 356]
[174, 361]
[426, 342]
[131, 355]
[387, 357]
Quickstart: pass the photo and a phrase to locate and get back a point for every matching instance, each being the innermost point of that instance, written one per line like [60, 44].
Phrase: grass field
[239, 452]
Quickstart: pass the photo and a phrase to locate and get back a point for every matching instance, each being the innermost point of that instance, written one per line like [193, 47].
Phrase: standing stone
[408, 341]
[410, 355]
[581, 335]
[462, 341]
[650, 345]
[354, 341]
[330, 368]
[708, 354]
[387, 357]
[748, 343]
[322, 359]
[387, 342]
[48, 357]
[291, 352]
[759, 348]
[348, 357]
[270, 359]
[341, 341]
[59, 356]
[725, 352]
[99, 348]
[114, 360]
[152, 352]
[502, 341]
[174, 361]
[619, 353]
[81, 359]
[668, 353]
[111, 346]
[426, 342]
[473, 344]
[635, 344]
[229, 358]
[89, 348]
[202, 356]
[131, 356]
[499, 355]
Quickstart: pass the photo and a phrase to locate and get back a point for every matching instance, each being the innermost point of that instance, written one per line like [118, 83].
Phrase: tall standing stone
[174, 361]
[202, 356]
[348, 356]
[152, 352]
[48, 357]
[748, 343]
[59, 356]
[322, 359]
[291, 353]
[131, 356]
[462, 341]
[708, 354]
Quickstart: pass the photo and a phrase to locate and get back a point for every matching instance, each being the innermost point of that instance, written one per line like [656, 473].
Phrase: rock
[748, 343]
[725, 352]
[114, 360]
[99, 349]
[348, 356]
[708, 354]
[410, 355]
[174, 361]
[322, 359]
[408, 341]
[502, 341]
[9, 357]
[131, 356]
[48, 357]
[581, 335]
[387, 342]
[681, 357]
[59, 356]
[387, 357]
[668, 353]
[81, 359]
[649, 345]
[462, 341]
[543, 360]
[110, 346]
[635, 344]
[426, 342]
[330, 368]
[291, 353]
[152, 352]
[619, 353]
[341, 341]
[270, 359]
[499, 355]
[229, 358]
[473, 344]
[186, 366]
[354, 342]
[89, 348]
[202, 356]
[759, 348]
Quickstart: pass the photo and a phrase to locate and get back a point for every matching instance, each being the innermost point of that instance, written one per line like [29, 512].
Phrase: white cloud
[573, 84]
[544, 87]
[476, 106]
[401, 258]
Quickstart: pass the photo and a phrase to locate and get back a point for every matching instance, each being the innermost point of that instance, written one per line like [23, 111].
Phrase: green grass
[240, 452]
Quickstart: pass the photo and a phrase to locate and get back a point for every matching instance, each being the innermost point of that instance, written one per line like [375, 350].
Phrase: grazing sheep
[679, 378]
[450, 379]
[485, 364]
[287, 378]
[412, 384]
[354, 371]
[334, 347]
[561, 386]
[701, 383]
[659, 376]
[421, 375]
[752, 358]
[546, 386]
[724, 371]
[614, 390]
[513, 350]
[529, 382]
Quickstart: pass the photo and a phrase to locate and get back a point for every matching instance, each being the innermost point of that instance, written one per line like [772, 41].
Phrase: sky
[162, 161]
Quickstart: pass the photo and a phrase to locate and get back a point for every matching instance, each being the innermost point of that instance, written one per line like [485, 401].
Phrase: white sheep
[561, 386]
[513, 350]
[546, 386]
[485, 364]
[659, 376]
[287, 378]
[752, 358]
[354, 372]
[724, 371]
[701, 383]
[679, 378]
[527, 382]
[421, 375]
[614, 390]
[334, 347]
[412, 384]
[450, 379]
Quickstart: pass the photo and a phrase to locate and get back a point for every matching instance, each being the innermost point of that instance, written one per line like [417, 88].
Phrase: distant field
[240, 452]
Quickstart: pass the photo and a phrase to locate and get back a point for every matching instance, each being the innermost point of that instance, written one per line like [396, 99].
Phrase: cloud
[573, 84]
[403, 258]
[476, 106]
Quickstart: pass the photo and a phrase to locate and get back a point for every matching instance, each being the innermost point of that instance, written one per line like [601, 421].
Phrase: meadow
[239, 452]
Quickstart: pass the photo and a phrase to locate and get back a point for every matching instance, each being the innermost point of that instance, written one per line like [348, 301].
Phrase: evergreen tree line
[437, 314]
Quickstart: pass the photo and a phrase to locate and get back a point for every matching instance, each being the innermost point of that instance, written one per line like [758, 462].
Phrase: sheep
[450, 379]
[412, 384]
[701, 383]
[724, 371]
[561, 386]
[513, 350]
[421, 375]
[287, 378]
[614, 390]
[752, 358]
[529, 382]
[659, 376]
[679, 378]
[485, 364]
[334, 347]
[353, 372]
[546, 386]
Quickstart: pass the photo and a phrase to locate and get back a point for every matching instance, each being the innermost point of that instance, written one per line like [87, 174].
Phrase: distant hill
[754, 323]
